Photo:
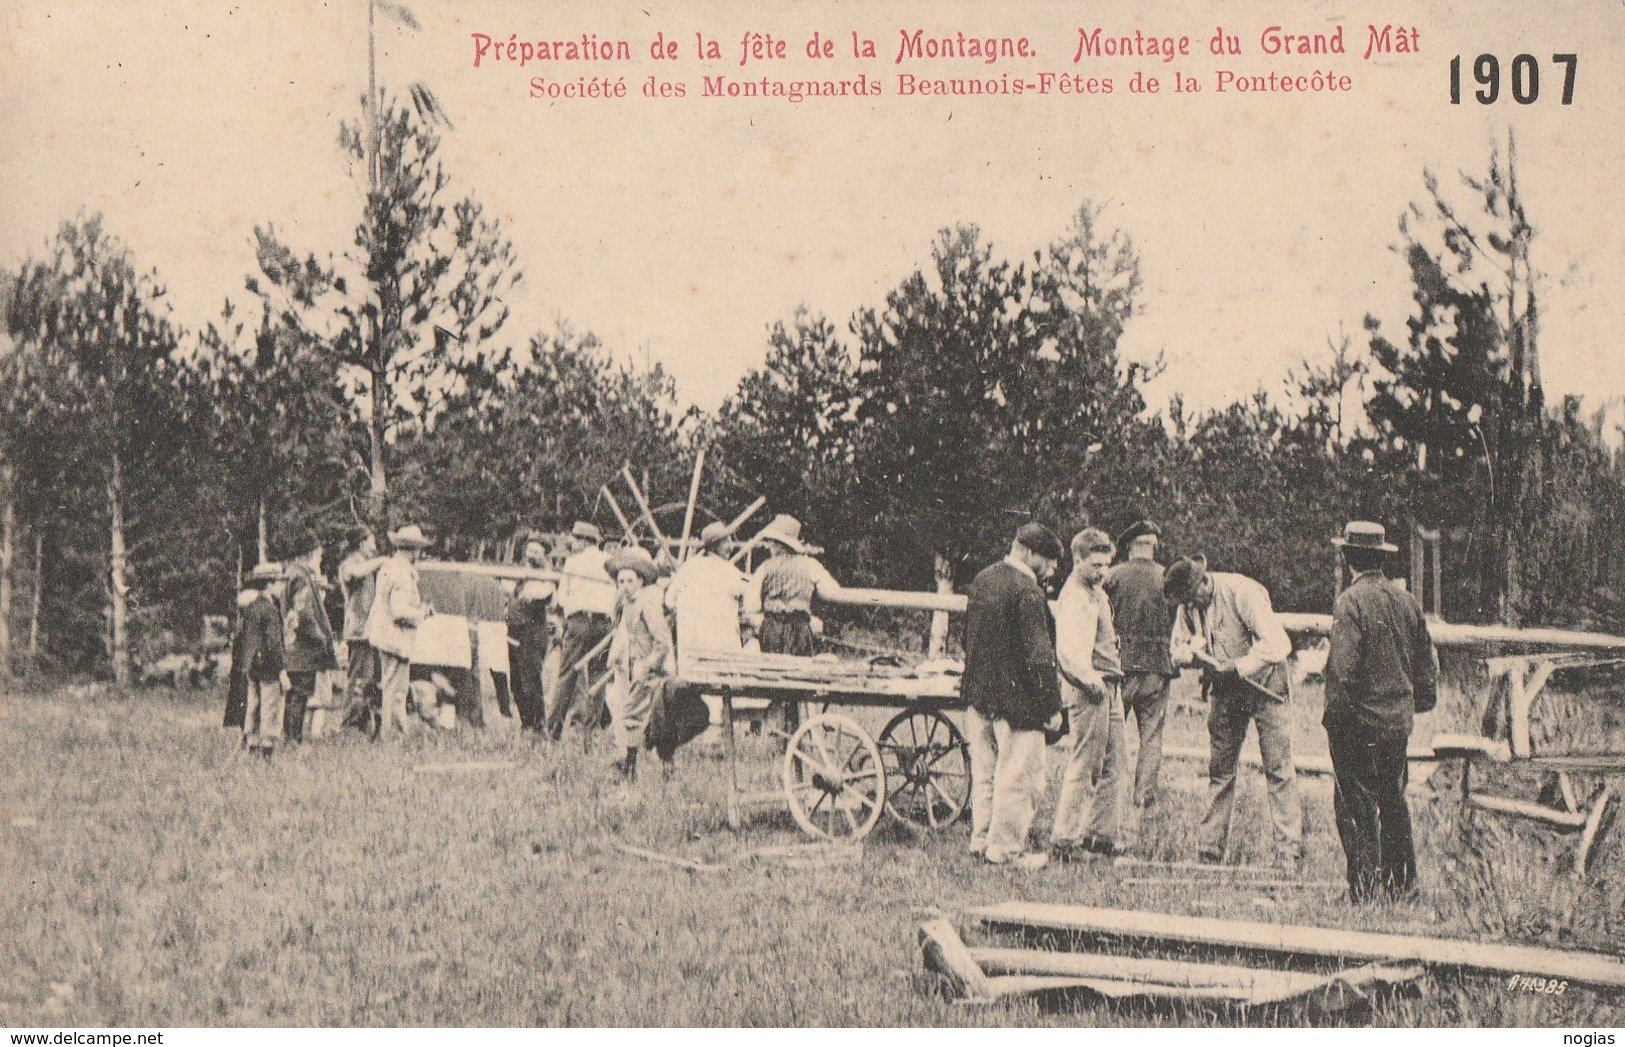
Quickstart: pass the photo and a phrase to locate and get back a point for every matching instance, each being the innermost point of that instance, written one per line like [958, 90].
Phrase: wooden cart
[837, 778]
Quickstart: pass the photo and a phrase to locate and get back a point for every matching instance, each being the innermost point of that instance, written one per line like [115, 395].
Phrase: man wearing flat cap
[586, 597]
[1012, 691]
[1227, 626]
[1379, 674]
[1145, 622]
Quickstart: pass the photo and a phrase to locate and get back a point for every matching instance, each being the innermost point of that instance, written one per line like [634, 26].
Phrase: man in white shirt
[586, 596]
[707, 594]
[1088, 815]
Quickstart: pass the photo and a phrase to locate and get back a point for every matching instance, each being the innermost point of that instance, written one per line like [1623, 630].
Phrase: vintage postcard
[706, 514]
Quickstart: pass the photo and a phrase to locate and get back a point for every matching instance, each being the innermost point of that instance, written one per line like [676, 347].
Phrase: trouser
[1007, 775]
[262, 714]
[1091, 784]
[1373, 819]
[361, 684]
[395, 680]
[1146, 696]
[582, 632]
[300, 687]
[630, 703]
[527, 654]
[788, 633]
[1231, 709]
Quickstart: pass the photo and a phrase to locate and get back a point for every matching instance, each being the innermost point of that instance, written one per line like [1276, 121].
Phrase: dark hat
[1183, 577]
[633, 558]
[1041, 540]
[1138, 529]
[1363, 534]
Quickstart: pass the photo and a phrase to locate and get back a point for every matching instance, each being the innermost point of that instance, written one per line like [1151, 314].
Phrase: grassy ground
[153, 875]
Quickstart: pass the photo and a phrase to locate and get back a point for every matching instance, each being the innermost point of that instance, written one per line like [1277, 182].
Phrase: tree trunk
[8, 536]
[260, 531]
[118, 608]
[939, 619]
[378, 493]
[38, 597]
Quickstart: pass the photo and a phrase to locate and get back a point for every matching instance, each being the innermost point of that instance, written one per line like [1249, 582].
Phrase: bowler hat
[1041, 540]
[1363, 534]
[1183, 577]
[1138, 529]
[633, 558]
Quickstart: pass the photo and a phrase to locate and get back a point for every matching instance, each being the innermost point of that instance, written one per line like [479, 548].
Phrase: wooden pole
[944, 952]
[643, 503]
[693, 500]
[750, 511]
[1580, 968]
[615, 507]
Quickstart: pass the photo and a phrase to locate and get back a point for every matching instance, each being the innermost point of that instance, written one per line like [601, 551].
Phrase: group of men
[625, 620]
[1109, 649]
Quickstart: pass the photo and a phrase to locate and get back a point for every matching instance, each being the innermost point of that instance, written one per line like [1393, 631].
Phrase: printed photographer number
[1523, 78]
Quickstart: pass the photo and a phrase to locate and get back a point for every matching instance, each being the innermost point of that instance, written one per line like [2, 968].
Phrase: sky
[681, 229]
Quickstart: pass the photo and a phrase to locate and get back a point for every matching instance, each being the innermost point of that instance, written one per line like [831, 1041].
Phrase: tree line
[145, 465]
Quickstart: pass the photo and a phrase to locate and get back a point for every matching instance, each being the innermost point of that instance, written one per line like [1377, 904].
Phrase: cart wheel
[927, 769]
[834, 779]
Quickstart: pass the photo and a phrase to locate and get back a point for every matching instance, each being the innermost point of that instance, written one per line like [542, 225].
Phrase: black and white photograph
[540, 514]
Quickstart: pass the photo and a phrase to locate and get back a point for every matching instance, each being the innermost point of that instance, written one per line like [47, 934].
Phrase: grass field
[153, 875]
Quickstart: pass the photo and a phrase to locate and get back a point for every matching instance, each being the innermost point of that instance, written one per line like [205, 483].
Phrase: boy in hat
[258, 656]
[397, 610]
[1226, 625]
[1145, 624]
[639, 652]
[586, 597]
[1379, 674]
[1013, 694]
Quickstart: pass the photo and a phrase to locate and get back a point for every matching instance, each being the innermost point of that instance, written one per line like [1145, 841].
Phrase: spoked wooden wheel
[927, 769]
[834, 779]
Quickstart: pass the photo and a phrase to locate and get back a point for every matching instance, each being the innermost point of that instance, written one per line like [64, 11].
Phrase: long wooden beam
[493, 570]
[1581, 968]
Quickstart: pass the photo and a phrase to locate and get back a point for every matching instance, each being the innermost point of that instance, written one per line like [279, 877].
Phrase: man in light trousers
[1012, 691]
[1089, 812]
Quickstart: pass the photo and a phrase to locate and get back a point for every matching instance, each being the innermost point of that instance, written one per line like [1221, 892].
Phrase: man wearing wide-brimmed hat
[587, 599]
[639, 655]
[1227, 626]
[1145, 623]
[1012, 691]
[781, 595]
[392, 625]
[1379, 674]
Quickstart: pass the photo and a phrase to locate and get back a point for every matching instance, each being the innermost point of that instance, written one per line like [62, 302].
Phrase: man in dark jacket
[1381, 671]
[308, 636]
[257, 655]
[1144, 623]
[1013, 692]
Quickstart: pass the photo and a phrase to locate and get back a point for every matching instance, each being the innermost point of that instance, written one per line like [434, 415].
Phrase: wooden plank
[1568, 821]
[1468, 746]
[1327, 993]
[669, 859]
[1581, 968]
[515, 572]
[1258, 884]
[1185, 974]
[1593, 830]
[943, 952]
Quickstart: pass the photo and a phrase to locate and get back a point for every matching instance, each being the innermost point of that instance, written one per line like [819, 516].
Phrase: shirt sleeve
[753, 593]
[1425, 686]
[824, 583]
[1272, 645]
